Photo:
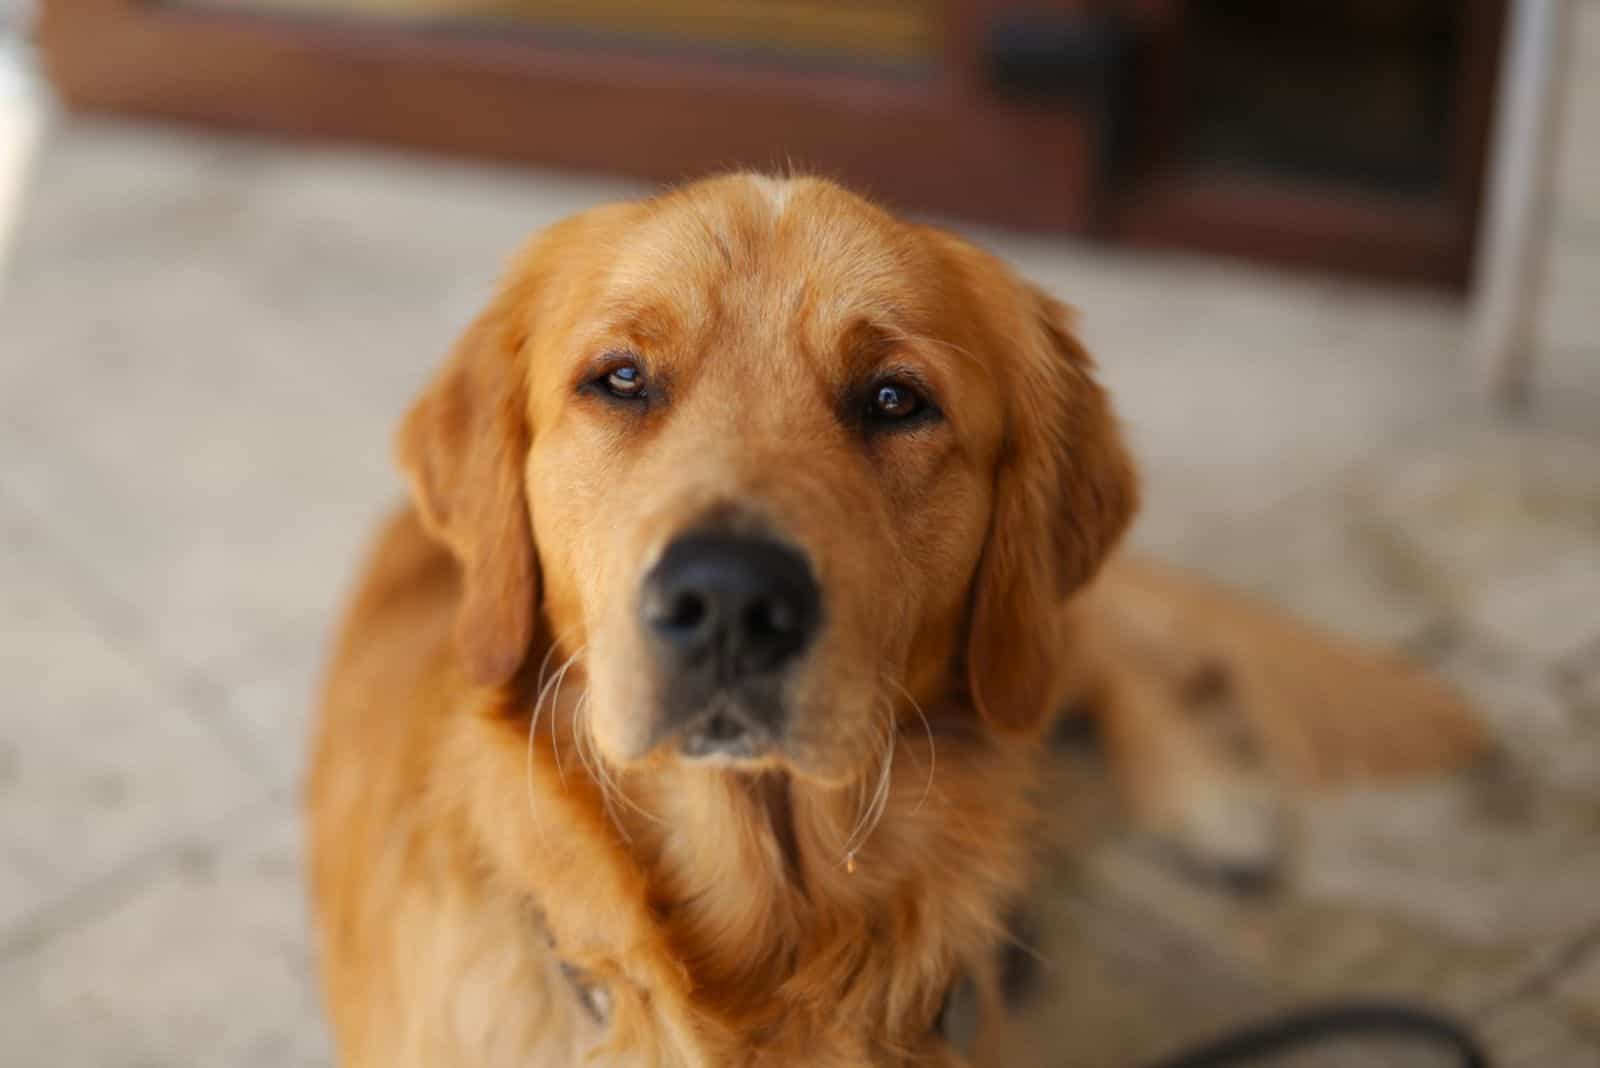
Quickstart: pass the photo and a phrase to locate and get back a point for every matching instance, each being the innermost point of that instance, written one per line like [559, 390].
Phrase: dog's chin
[650, 734]
[820, 727]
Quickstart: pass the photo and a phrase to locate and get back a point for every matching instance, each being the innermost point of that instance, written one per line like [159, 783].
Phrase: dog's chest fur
[729, 907]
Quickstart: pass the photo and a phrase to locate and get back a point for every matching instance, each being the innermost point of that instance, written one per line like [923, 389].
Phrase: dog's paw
[1223, 817]
[1225, 828]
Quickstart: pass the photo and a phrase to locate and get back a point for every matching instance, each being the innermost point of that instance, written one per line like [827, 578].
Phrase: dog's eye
[895, 402]
[624, 381]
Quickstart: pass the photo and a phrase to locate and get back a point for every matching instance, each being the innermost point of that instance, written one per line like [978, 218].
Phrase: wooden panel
[1423, 238]
[937, 142]
[885, 31]
[926, 132]
[1324, 228]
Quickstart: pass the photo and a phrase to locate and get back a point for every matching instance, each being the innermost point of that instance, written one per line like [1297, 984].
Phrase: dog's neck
[800, 909]
[758, 914]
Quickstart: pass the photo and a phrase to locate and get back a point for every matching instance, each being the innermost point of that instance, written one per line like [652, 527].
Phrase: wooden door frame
[940, 141]
[935, 142]
[1428, 238]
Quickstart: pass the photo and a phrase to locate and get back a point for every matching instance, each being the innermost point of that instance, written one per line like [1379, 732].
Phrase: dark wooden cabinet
[1346, 135]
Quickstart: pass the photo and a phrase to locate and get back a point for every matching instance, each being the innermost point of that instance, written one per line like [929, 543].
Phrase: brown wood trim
[936, 140]
[1429, 240]
[932, 143]
[1477, 86]
[1323, 228]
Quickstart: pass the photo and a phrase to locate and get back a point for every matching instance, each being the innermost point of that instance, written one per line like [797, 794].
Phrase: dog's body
[445, 864]
[693, 715]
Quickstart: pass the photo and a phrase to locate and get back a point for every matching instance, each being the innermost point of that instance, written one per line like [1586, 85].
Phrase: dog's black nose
[730, 608]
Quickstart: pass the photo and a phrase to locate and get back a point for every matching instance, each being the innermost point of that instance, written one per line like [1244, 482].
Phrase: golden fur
[489, 802]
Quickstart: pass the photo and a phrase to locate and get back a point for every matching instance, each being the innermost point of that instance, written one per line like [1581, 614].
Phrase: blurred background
[1340, 260]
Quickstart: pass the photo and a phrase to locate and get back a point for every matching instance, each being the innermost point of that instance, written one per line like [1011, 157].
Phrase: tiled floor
[204, 343]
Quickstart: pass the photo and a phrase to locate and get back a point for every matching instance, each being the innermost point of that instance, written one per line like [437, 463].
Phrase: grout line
[1101, 893]
[1571, 957]
[101, 894]
[1563, 961]
[1569, 673]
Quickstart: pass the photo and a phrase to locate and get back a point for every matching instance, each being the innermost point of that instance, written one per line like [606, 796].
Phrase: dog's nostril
[686, 611]
[770, 619]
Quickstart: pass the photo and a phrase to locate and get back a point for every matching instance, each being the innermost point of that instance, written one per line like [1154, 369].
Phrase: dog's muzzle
[726, 616]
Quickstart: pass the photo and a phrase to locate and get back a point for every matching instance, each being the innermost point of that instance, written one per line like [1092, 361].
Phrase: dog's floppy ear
[463, 447]
[1064, 493]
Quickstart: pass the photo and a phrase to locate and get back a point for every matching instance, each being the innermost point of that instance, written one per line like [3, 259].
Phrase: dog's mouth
[728, 731]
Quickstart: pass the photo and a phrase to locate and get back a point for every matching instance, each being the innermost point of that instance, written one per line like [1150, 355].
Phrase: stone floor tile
[1565, 387]
[1227, 429]
[1474, 505]
[100, 763]
[1548, 609]
[1320, 557]
[205, 963]
[1569, 316]
[1310, 943]
[1551, 736]
[195, 542]
[1534, 1032]
[1578, 986]
[227, 423]
[269, 697]
[1104, 993]
[1578, 678]
[1498, 867]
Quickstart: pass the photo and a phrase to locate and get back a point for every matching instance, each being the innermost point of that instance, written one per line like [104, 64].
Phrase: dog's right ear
[463, 447]
[1065, 492]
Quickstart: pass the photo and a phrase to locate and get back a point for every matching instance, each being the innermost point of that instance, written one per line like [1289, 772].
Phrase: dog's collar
[956, 1021]
[591, 994]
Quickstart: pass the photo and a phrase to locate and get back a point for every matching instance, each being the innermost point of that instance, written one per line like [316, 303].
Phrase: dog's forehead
[762, 252]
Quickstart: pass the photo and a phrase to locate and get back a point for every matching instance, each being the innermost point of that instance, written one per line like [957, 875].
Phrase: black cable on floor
[1301, 1030]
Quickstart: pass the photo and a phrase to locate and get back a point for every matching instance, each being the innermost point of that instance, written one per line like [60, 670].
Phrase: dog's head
[772, 465]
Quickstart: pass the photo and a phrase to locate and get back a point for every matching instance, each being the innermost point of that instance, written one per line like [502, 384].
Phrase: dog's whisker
[554, 682]
[880, 802]
[544, 661]
[927, 729]
[862, 805]
[533, 728]
[607, 779]
[594, 764]
[561, 678]
[533, 733]
[873, 813]
[620, 792]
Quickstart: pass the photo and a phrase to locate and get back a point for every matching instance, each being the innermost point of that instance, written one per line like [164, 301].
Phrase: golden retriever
[692, 714]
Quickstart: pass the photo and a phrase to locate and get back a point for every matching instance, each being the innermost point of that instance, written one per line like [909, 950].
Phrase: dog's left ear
[463, 447]
[1064, 493]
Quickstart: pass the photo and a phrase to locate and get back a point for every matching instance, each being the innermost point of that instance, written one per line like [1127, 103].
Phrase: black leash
[1318, 1026]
